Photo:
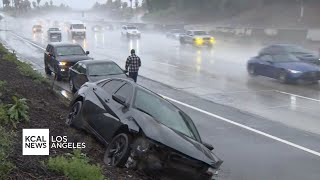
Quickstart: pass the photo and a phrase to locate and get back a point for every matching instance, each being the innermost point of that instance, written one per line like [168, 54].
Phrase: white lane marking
[246, 127]
[167, 64]
[26, 40]
[295, 95]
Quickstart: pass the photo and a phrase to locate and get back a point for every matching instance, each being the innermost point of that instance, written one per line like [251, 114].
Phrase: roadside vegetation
[6, 139]
[75, 166]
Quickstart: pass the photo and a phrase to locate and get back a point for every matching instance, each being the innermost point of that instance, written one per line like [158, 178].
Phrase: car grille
[206, 39]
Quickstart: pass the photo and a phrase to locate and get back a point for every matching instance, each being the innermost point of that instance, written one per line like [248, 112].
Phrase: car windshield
[164, 112]
[54, 29]
[37, 26]
[78, 26]
[70, 50]
[131, 27]
[200, 33]
[285, 58]
[104, 69]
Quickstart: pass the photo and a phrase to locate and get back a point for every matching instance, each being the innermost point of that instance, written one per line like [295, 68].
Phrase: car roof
[61, 44]
[88, 62]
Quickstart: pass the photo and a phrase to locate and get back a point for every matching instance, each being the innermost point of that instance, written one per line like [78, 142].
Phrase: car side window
[112, 85]
[266, 58]
[125, 91]
[82, 69]
[76, 67]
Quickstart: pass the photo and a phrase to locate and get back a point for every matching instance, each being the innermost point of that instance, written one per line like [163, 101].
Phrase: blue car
[284, 67]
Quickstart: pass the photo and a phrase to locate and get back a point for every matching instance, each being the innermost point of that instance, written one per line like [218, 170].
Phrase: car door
[82, 76]
[74, 74]
[101, 115]
[189, 37]
[52, 57]
[264, 64]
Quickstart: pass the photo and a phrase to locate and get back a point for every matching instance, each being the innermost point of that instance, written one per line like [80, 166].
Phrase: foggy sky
[76, 4]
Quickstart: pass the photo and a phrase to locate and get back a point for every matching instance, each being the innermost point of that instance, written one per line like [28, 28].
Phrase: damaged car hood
[176, 140]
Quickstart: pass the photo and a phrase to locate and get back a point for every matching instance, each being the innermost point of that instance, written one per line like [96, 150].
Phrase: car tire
[71, 85]
[252, 70]
[118, 150]
[283, 77]
[73, 116]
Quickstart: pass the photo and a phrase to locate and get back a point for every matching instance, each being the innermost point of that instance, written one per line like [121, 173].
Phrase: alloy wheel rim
[73, 113]
[116, 151]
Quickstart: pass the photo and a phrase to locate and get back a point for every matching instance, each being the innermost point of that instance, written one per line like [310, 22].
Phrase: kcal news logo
[37, 142]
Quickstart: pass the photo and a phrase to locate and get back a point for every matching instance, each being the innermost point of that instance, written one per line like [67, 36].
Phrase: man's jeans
[133, 75]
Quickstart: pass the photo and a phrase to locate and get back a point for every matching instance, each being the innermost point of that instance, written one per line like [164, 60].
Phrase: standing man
[133, 63]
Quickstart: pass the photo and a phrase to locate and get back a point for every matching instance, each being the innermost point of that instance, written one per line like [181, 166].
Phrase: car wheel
[283, 77]
[118, 151]
[252, 70]
[71, 85]
[74, 113]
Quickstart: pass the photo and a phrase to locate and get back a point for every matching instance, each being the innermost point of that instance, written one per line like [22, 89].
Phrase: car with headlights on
[295, 50]
[142, 130]
[60, 56]
[197, 38]
[54, 34]
[130, 31]
[285, 67]
[37, 28]
[92, 71]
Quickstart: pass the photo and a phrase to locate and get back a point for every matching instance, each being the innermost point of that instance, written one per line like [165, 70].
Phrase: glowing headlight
[198, 41]
[62, 63]
[212, 40]
[294, 71]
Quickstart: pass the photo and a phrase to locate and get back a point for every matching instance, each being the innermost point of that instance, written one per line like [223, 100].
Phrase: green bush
[5, 148]
[14, 113]
[75, 166]
[3, 85]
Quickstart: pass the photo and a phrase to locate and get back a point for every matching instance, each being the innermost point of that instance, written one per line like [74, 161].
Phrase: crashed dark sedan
[92, 71]
[142, 130]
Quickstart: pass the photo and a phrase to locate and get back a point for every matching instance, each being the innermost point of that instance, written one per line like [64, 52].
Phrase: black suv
[60, 56]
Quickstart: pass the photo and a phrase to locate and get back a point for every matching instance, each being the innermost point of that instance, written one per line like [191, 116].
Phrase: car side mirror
[51, 54]
[209, 146]
[120, 99]
[87, 52]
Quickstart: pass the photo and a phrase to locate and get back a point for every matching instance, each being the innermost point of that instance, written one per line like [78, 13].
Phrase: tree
[124, 5]
[137, 3]
[51, 3]
[46, 4]
[6, 3]
[34, 4]
[38, 2]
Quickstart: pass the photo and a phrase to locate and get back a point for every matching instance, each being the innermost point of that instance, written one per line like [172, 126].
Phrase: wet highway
[261, 129]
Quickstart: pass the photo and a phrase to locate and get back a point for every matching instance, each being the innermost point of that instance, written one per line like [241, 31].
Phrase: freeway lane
[247, 155]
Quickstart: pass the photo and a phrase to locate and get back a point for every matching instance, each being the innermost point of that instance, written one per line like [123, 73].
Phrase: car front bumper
[156, 158]
[307, 76]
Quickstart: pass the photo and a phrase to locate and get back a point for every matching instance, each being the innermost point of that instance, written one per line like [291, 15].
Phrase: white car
[77, 29]
[130, 31]
[54, 34]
